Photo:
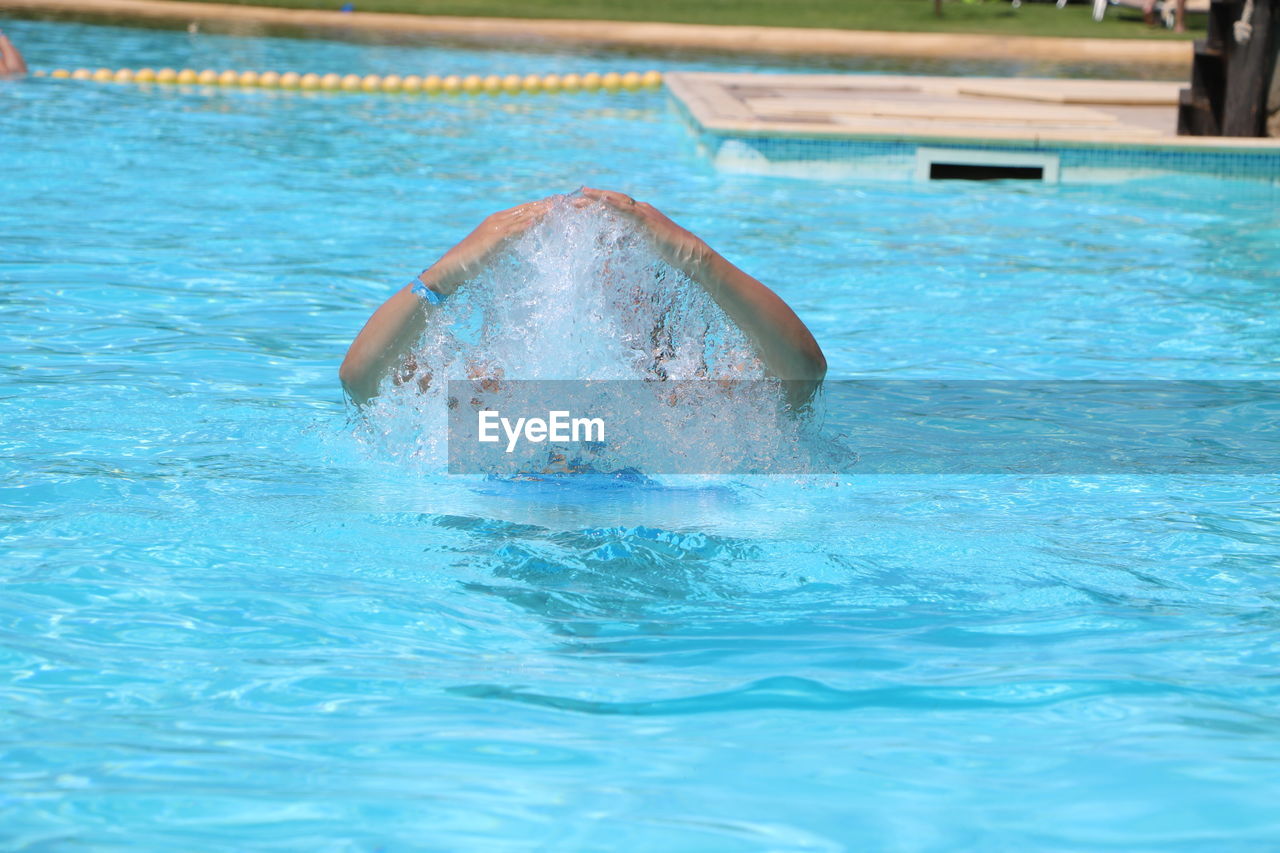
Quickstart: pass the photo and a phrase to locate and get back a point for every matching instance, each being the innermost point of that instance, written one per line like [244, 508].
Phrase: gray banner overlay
[1083, 427]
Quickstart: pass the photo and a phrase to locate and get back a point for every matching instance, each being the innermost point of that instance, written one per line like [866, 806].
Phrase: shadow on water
[596, 581]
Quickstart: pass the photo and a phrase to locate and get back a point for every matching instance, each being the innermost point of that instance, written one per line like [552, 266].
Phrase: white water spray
[583, 295]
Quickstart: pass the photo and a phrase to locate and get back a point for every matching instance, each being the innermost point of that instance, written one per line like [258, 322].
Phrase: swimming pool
[227, 623]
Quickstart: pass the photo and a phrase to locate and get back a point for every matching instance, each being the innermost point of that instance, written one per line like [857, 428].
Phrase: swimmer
[783, 342]
[11, 61]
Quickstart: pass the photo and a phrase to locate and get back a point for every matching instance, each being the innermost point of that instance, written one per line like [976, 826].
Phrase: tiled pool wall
[906, 160]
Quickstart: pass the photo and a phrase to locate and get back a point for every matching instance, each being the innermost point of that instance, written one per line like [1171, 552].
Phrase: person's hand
[678, 246]
[466, 259]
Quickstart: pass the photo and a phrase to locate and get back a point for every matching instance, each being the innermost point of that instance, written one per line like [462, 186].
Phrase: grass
[994, 17]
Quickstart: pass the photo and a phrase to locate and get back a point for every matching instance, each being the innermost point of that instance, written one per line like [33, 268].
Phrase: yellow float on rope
[472, 84]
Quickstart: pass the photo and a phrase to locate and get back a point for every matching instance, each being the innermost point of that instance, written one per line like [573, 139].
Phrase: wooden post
[1233, 73]
[937, 8]
[1250, 65]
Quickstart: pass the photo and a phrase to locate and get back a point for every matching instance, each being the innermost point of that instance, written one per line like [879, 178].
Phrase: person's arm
[11, 61]
[396, 326]
[784, 343]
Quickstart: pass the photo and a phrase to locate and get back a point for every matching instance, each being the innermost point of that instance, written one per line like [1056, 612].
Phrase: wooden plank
[932, 110]
[1109, 92]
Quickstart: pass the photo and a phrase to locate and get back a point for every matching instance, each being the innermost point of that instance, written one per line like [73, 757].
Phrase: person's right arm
[389, 335]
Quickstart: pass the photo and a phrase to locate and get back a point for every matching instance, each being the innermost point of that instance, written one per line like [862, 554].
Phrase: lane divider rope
[431, 84]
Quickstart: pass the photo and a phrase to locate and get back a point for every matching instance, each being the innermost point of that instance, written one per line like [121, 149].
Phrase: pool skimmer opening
[940, 164]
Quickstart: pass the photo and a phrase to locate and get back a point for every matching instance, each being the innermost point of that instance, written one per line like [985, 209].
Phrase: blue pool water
[229, 621]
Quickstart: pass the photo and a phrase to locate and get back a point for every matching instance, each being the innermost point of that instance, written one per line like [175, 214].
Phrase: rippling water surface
[226, 622]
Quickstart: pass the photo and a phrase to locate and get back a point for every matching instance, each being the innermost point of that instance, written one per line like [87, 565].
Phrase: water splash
[583, 295]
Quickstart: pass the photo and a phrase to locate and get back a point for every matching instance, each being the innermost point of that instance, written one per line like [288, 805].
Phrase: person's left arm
[785, 344]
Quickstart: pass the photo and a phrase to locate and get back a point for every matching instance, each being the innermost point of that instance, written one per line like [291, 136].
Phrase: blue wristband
[424, 292]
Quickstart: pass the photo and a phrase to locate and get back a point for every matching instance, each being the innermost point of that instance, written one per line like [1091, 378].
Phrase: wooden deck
[971, 110]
